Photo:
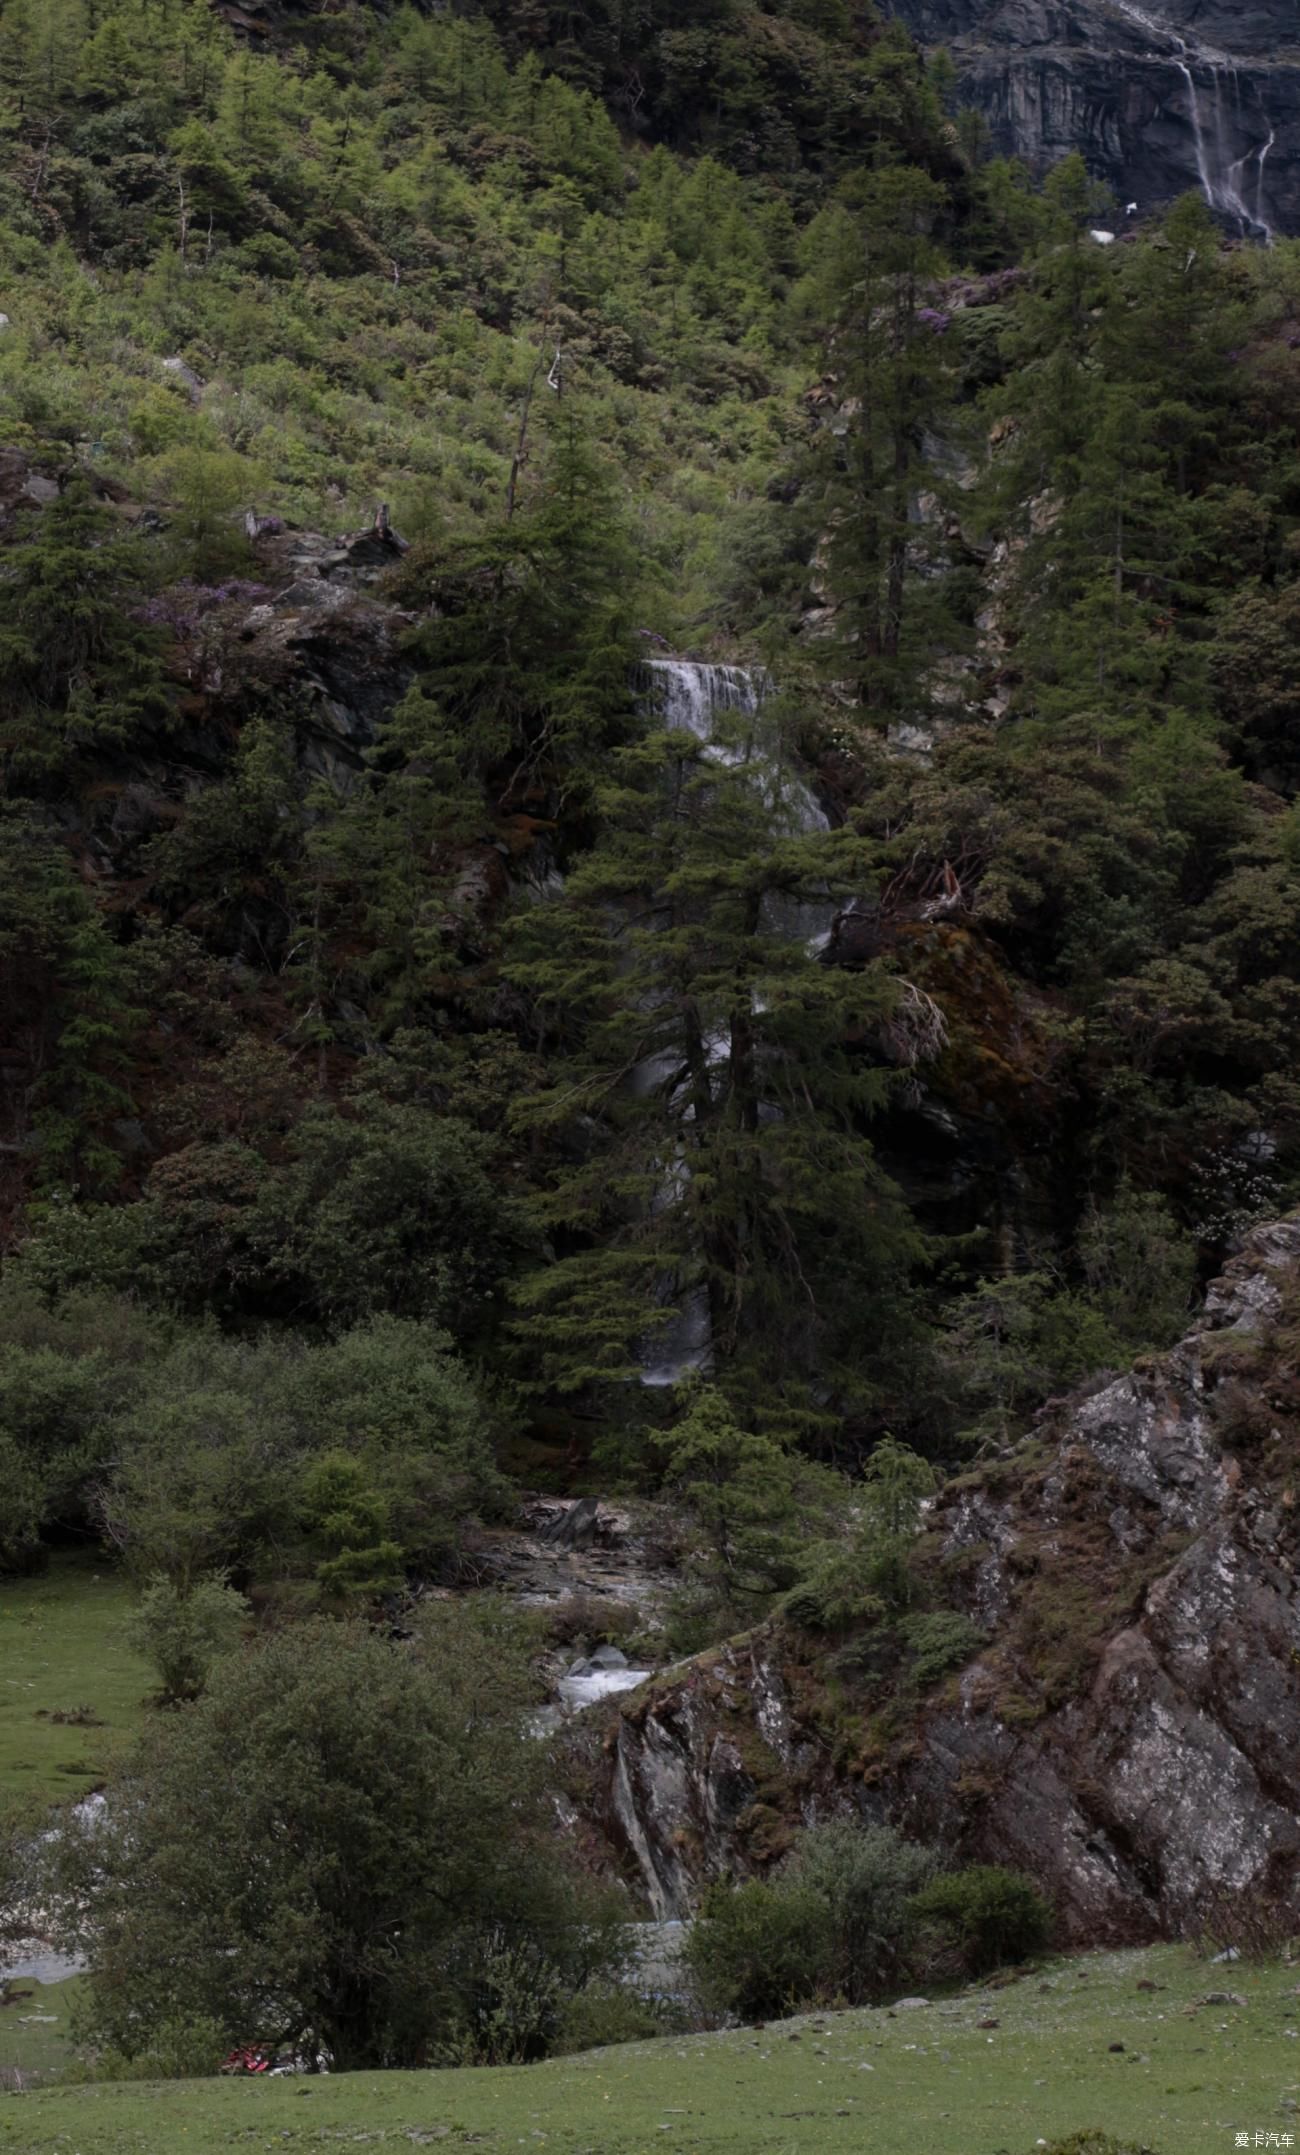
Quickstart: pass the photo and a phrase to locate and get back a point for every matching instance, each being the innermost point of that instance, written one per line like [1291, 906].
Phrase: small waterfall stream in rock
[1218, 126]
[722, 707]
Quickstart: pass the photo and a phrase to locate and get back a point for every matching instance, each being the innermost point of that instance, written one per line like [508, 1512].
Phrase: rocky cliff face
[1160, 98]
[1130, 1734]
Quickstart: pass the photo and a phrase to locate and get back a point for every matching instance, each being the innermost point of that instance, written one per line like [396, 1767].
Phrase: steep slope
[1160, 98]
[1130, 1733]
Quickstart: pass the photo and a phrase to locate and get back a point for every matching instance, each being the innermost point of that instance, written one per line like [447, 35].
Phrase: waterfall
[1222, 176]
[684, 1346]
[691, 696]
[722, 708]
[693, 699]
[1198, 132]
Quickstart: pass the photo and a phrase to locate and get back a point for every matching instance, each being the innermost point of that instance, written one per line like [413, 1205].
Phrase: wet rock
[311, 596]
[179, 372]
[576, 1527]
[1160, 98]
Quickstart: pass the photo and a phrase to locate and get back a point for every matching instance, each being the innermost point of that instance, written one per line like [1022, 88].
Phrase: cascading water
[722, 707]
[1217, 125]
[693, 699]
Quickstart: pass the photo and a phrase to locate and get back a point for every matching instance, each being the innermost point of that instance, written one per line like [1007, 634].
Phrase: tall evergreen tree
[712, 1084]
[875, 262]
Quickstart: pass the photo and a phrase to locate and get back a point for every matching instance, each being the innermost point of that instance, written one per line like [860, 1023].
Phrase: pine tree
[711, 1091]
[875, 260]
[77, 667]
[528, 649]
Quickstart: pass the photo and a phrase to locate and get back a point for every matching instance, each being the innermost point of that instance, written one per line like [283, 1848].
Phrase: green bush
[992, 1915]
[598, 2017]
[182, 2048]
[183, 1630]
[760, 1950]
[342, 1843]
[939, 1640]
[511, 2009]
[868, 1878]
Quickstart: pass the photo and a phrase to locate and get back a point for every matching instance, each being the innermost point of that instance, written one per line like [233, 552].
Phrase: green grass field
[929, 2081]
[63, 1647]
[35, 2028]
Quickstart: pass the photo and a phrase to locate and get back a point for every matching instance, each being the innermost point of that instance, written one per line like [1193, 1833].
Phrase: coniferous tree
[876, 260]
[712, 1087]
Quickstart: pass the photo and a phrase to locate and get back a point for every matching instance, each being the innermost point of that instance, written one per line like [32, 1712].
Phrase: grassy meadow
[1117, 2042]
[63, 1653]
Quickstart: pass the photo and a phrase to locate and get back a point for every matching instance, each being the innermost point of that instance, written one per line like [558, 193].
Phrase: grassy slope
[35, 2027]
[62, 1646]
[1184, 2083]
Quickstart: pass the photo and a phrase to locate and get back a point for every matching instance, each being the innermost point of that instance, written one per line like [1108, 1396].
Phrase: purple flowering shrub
[184, 605]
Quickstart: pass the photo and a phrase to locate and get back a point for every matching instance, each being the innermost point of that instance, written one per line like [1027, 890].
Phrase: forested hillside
[648, 835]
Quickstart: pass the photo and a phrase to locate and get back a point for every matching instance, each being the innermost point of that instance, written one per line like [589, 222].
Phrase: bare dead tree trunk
[39, 180]
[520, 457]
[521, 444]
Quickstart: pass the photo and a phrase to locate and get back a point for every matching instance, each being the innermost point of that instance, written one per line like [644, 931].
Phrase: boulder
[575, 1528]
[179, 372]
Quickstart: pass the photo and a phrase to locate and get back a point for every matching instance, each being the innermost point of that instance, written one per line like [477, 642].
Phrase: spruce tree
[711, 1087]
[875, 262]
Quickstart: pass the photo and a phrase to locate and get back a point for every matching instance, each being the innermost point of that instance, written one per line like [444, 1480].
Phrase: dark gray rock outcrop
[1130, 1734]
[1160, 96]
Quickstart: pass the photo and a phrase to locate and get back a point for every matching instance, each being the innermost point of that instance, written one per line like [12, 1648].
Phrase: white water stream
[722, 707]
[1218, 125]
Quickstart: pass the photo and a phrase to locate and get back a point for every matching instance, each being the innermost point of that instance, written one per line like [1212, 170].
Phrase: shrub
[868, 1878]
[597, 2018]
[179, 2049]
[183, 1629]
[511, 2006]
[759, 1950]
[1249, 1922]
[993, 1915]
[1095, 2143]
[349, 1520]
[940, 1640]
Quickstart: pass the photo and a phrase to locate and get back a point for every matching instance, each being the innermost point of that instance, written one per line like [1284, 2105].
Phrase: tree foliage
[326, 1850]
